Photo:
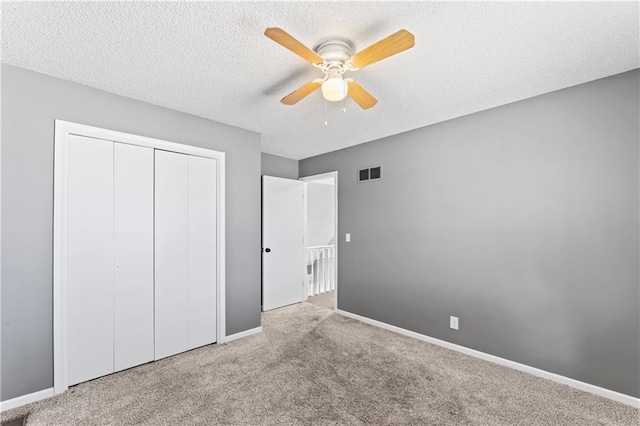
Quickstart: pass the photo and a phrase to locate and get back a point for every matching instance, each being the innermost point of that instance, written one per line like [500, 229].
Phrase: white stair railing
[321, 269]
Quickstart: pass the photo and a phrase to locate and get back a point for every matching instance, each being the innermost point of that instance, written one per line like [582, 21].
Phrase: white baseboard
[596, 390]
[25, 399]
[48, 393]
[242, 334]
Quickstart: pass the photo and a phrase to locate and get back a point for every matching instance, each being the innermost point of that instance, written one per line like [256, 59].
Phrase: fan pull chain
[326, 119]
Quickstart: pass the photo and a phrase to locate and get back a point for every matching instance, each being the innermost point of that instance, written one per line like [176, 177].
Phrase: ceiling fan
[334, 58]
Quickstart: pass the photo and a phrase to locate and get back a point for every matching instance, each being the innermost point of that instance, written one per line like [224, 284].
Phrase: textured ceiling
[212, 59]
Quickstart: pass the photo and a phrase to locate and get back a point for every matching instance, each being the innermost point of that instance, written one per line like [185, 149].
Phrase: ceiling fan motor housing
[334, 50]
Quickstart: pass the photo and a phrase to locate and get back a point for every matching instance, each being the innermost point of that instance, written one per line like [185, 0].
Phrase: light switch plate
[453, 322]
[348, 237]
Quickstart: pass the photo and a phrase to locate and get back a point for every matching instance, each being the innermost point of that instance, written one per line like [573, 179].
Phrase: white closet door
[202, 251]
[89, 258]
[133, 254]
[171, 253]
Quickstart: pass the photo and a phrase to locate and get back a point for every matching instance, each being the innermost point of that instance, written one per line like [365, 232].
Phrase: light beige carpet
[323, 300]
[310, 366]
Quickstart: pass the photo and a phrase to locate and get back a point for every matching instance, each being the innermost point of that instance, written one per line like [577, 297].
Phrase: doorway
[321, 239]
[299, 241]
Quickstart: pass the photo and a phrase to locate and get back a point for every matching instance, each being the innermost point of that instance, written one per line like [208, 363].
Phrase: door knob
[267, 250]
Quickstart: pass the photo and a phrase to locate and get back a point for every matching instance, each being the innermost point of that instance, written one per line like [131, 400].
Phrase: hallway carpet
[324, 300]
[310, 366]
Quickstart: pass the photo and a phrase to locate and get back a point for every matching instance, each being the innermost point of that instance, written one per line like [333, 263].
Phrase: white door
[137, 243]
[282, 242]
[90, 270]
[186, 270]
[172, 251]
[203, 269]
[133, 255]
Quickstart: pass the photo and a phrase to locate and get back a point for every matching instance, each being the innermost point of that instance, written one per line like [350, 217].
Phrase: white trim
[596, 390]
[64, 128]
[305, 237]
[59, 255]
[242, 334]
[62, 131]
[25, 399]
[222, 263]
[322, 176]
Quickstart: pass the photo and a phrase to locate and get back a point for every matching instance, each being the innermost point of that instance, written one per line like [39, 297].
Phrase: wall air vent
[369, 174]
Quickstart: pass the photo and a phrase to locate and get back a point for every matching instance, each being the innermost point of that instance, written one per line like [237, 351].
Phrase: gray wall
[30, 103]
[521, 220]
[273, 165]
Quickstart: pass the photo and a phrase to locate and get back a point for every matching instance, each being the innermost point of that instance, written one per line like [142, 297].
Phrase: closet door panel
[133, 254]
[171, 253]
[89, 258]
[202, 251]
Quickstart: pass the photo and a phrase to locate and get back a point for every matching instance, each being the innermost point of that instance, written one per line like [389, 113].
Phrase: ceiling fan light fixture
[334, 89]
[333, 57]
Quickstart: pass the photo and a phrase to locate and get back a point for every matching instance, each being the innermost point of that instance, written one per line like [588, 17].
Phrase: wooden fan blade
[284, 39]
[360, 95]
[395, 43]
[300, 93]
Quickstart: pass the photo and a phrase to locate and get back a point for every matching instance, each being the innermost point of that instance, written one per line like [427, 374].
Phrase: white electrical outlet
[348, 238]
[453, 322]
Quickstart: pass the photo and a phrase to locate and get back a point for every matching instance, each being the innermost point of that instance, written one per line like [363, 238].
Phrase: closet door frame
[63, 129]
